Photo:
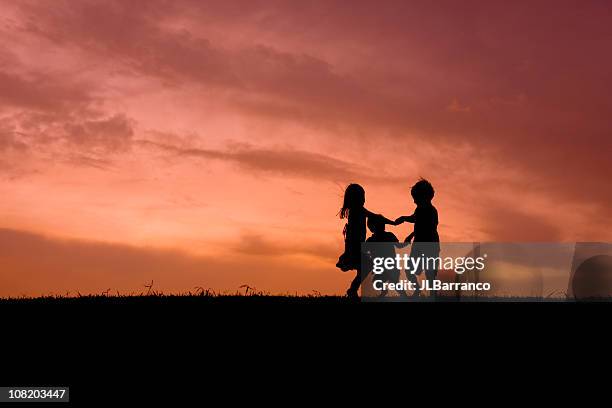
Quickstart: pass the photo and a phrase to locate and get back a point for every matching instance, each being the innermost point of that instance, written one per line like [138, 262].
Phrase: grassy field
[249, 295]
[250, 298]
[174, 299]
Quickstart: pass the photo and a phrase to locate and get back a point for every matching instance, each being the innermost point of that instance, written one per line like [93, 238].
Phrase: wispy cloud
[279, 161]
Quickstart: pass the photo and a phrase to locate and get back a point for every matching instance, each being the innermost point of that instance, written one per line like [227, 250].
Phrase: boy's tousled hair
[422, 190]
[354, 196]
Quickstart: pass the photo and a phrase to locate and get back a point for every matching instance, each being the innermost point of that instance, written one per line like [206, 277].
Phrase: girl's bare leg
[353, 290]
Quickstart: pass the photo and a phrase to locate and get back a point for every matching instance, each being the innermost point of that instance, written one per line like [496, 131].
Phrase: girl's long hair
[354, 197]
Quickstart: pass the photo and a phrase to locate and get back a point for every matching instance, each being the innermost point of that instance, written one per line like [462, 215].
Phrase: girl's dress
[354, 235]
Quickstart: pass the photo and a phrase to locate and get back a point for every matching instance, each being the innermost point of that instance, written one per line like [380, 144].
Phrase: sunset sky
[207, 143]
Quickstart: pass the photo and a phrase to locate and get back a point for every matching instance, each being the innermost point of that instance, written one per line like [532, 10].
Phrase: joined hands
[399, 220]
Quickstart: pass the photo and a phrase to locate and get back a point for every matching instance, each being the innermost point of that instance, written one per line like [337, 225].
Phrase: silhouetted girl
[354, 233]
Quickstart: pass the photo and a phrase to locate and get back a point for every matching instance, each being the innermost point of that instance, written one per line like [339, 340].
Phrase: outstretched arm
[405, 218]
[385, 219]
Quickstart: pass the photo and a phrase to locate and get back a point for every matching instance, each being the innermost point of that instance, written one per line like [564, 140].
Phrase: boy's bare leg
[413, 279]
[431, 275]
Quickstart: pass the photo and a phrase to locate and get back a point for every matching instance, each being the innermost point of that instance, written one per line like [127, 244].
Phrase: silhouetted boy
[426, 239]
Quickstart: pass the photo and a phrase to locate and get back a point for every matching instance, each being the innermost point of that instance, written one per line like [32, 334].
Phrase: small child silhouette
[426, 239]
[376, 224]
